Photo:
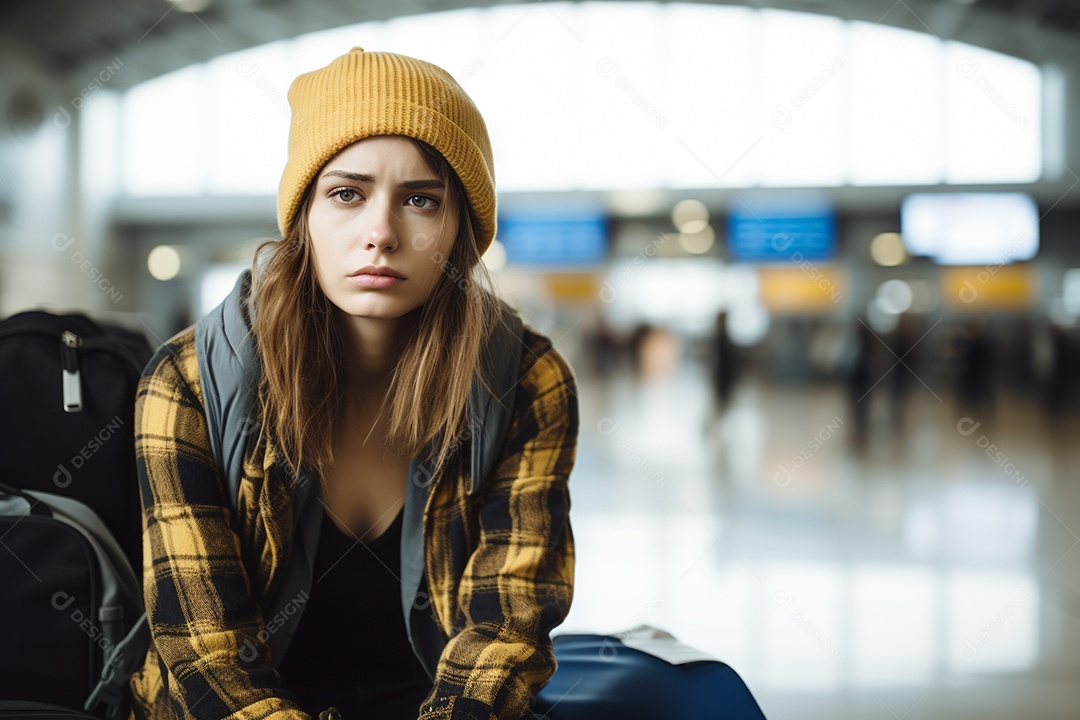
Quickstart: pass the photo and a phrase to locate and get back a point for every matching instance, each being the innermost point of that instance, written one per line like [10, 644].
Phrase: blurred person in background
[724, 362]
[860, 381]
[903, 342]
[975, 383]
[655, 352]
[370, 318]
[1062, 386]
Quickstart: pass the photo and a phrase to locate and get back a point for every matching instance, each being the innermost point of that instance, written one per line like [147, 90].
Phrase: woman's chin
[373, 308]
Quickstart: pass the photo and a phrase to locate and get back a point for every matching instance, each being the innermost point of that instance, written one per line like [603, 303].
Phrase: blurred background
[815, 265]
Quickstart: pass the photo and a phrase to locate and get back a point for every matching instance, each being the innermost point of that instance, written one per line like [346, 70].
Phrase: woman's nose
[380, 232]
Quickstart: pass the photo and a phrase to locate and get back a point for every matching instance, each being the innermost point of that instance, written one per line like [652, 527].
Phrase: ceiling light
[690, 216]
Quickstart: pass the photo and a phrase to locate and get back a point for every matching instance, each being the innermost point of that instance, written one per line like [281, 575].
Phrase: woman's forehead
[386, 153]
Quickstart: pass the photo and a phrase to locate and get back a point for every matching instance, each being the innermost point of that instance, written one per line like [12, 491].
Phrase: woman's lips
[376, 281]
[376, 276]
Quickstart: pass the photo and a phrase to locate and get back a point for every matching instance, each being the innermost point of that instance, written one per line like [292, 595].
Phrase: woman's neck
[372, 348]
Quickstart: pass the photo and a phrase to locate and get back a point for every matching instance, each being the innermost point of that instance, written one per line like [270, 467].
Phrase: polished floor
[933, 573]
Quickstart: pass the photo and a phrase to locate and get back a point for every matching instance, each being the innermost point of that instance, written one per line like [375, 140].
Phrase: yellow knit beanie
[362, 94]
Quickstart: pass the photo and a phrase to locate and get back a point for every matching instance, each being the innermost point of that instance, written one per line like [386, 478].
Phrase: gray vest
[229, 372]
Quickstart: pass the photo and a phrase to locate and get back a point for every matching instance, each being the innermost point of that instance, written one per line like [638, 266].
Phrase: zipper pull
[69, 356]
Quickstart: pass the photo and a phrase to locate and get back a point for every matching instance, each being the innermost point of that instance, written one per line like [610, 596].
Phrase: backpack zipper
[72, 386]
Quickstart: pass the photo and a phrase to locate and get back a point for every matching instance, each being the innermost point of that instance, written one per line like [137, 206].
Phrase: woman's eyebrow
[432, 184]
[423, 184]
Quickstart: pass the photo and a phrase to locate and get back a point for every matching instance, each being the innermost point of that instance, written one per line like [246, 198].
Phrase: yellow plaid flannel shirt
[499, 563]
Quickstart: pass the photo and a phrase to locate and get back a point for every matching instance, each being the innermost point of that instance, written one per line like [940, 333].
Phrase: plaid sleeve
[518, 582]
[204, 623]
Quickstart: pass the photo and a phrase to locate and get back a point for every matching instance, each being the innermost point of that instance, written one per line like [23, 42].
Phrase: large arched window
[629, 95]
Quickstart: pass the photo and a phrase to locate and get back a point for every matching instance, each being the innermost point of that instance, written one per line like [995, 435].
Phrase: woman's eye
[345, 195]
[425, 203]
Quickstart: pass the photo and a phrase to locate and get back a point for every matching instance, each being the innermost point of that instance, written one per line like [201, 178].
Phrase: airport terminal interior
[815, 266]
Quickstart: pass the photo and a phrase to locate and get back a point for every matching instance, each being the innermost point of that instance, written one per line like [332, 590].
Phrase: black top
[350, 649]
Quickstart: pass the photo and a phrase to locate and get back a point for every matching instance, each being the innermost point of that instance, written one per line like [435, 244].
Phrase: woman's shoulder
[175, 363]
[543, 367]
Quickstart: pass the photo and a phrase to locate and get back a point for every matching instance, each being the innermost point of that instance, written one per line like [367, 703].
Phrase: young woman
[371, 318]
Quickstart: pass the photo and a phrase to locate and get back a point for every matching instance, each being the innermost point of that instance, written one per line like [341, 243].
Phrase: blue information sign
[564, 237]
[776, 234]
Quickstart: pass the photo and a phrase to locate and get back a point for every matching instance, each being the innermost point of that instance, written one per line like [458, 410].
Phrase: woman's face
[377, 203]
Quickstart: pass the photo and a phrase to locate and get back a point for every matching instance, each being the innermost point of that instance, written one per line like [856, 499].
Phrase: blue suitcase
[601, 678]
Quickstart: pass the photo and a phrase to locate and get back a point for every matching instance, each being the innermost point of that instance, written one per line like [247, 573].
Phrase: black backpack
[70, 514]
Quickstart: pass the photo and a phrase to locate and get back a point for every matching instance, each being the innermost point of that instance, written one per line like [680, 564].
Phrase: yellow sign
[989, 287]
[804, 288]
[573, 285]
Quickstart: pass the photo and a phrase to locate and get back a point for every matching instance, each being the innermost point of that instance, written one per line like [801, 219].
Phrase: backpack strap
[490, 411]
[229, 371]
[488, 420]
[126, 657]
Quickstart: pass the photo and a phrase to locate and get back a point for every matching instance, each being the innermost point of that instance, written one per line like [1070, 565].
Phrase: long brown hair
[301, 344]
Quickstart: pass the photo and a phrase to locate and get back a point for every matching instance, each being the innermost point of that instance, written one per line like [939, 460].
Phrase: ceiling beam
[152, 39]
